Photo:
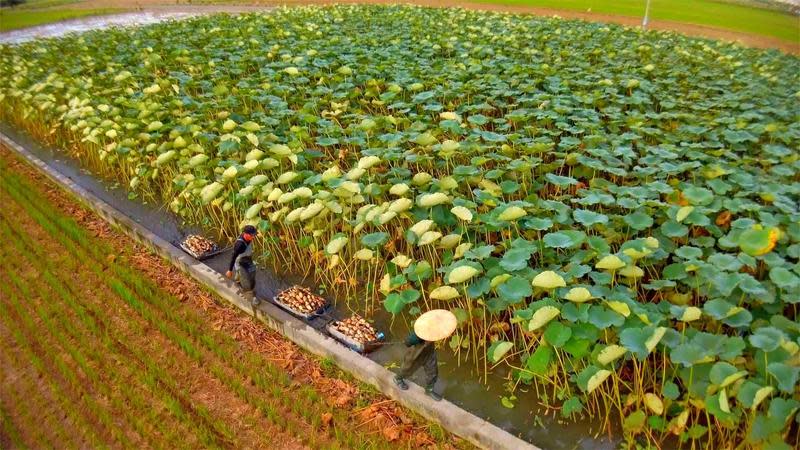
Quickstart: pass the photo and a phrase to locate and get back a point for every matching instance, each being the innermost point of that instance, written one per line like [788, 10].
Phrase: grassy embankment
[719, 14]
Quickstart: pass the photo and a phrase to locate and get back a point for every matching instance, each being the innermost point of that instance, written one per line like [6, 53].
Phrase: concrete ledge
[456, 420]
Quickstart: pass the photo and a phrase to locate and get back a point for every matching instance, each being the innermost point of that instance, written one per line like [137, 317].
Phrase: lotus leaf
[548, 280]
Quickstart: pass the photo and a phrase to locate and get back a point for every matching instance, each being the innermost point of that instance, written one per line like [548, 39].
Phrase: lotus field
[611, 213]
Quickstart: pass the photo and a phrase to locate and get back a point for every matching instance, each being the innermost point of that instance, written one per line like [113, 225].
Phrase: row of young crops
[130, 365]
[612, 213]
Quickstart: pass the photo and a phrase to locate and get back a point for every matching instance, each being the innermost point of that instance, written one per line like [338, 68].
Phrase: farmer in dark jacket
[429, 328]
[242, 261]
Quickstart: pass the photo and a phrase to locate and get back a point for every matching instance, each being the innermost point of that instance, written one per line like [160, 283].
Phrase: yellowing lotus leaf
[610, 262]
[444, 293]
[499, 279]
[462, 213]
[654, 403]
[631, 272]
[280, 150]
[449, 241]
[421, 179]
[619, 307]
[683, 213]
[253, 210]
[691, 313]
[655, 338]
[461, 249]
[548, 280]
[429, 237]
[336, 244]
[431, 200]
[384, 218]
[579, 295]
[512, 213]
[723, 401]
[760, 395]
[635, 253]
[542, 316]
[596, 380]
[303, 192]
[331, 173]
[399, 189]
[421, 227]
[461, 274]
[294, 215]
[386, 284]
[402, 261]
[274, 195]
[401, 205]
[610, 354]
[364, 254]
[287, 177]
[311, 211]
[448, 183]
[229, 125]
[368, 162]
[355, 173]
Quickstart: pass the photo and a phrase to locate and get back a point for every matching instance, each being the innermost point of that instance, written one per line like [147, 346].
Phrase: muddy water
[459, 383]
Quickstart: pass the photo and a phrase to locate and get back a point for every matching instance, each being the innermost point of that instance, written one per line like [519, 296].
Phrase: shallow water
[459, 383]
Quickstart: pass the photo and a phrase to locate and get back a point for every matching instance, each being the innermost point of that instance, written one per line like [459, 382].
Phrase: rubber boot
[401, 383]
[432, 394]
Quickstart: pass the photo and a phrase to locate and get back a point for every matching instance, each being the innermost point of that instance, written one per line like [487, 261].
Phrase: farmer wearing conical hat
[429, 328]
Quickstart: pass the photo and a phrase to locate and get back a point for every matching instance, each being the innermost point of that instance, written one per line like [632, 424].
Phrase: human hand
[229, 274]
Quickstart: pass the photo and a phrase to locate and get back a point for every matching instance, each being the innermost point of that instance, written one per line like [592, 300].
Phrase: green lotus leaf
[515, 289]
[674, 229]
[558, 240]
[756, 242]
[602, 317]
[515, 259]
[752, 394]
[571, 406]
[785, 376]
[641, 341]
[588, 218]
[767, 338]
[724, 374]
[561, 181]
[557, 334]
[784, 278]
[375, 240]
[539, 361]
[698, 196]
[638, 220]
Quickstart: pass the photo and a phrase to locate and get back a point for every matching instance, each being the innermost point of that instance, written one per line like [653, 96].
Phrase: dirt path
[106, 357]
[750, 40]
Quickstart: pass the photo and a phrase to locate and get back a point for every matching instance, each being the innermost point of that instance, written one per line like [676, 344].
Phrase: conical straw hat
[435, 325]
